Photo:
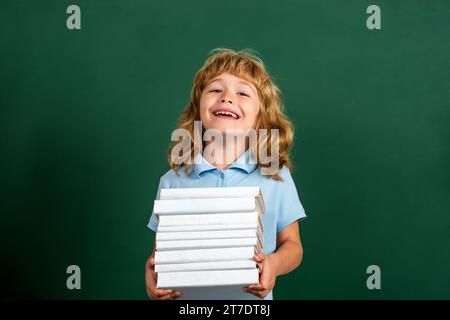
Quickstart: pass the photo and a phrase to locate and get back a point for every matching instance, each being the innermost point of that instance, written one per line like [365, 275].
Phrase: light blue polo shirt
[281, 198]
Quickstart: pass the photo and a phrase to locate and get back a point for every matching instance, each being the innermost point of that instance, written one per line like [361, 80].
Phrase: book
[206, 205]
[208, 243]
[209, 239]
[214, 234]
[227, 192]
[204, 255]
[224, 192]
[173, 280]
[210, 218]
[211, 265]
[209, 227]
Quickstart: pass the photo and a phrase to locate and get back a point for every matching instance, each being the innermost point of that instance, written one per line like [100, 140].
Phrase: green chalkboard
[86, 116]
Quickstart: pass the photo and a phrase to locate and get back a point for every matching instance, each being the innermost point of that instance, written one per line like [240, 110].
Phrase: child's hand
[150, 282]
[267, 276]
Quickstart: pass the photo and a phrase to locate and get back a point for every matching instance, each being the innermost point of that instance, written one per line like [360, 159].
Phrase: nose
[226, 99]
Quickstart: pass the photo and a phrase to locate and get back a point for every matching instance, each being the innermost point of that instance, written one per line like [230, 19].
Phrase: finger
[153, 273]
[150, 282]
[159, 294]
[256, 287]
[166, 297]
[260, 294]
[151, 264]
[255, 293]
[151, 268]
[260, 266]
[163, 292]
[259, 257]
[170, 296]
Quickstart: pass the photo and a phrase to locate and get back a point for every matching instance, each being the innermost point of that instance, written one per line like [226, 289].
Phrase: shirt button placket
[222, 179]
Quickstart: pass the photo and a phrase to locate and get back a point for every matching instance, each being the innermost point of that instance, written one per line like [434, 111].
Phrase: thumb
[259, 257]
[152, 268]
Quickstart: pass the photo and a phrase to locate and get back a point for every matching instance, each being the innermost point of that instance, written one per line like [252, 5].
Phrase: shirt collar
[245, 162]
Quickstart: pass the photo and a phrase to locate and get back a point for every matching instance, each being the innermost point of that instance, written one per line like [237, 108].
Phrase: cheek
[204, 107]
[252, 116]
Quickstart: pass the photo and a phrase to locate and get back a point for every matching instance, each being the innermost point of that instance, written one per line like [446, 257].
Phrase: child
[233, 90]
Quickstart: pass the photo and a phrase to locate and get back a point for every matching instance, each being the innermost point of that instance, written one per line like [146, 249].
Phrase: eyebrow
[240, 81]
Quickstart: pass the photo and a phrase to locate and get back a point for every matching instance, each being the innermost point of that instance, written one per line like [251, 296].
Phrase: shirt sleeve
[153, 223]
[289, 207]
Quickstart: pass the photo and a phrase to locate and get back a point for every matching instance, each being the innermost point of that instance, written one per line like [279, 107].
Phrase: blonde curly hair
[247, 65]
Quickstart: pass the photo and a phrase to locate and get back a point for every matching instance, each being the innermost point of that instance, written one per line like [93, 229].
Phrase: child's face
[229, 102]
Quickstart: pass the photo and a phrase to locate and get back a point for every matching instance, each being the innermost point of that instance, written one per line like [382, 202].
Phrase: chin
[221, 128]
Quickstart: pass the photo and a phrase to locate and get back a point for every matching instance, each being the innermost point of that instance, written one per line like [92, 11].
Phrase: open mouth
[226, 115]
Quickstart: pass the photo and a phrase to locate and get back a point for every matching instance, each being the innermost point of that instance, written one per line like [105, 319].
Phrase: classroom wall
[86, 117]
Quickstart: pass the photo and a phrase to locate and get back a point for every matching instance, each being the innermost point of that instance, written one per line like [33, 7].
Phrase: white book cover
[205, 205]
[212, 265]
[207, 243]
[209, 227]
[173, 280]
[220, 192]
[204, 255]
[216, 234]
[227, 192]
[210, 218]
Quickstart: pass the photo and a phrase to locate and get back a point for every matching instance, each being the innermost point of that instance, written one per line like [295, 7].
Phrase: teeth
[226, 113]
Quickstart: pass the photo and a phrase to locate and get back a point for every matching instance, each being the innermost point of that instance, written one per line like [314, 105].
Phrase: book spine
[192, 206]
[208, 227]
[214, 265]
[192, 193]
[209, 218]
[207, 278]
[206, 243]
[195, 235]
[204, 255]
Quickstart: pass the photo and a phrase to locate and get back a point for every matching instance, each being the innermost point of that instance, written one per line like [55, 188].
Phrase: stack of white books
[206, 240]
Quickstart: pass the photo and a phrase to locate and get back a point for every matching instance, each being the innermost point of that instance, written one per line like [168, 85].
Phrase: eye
[239, 93]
